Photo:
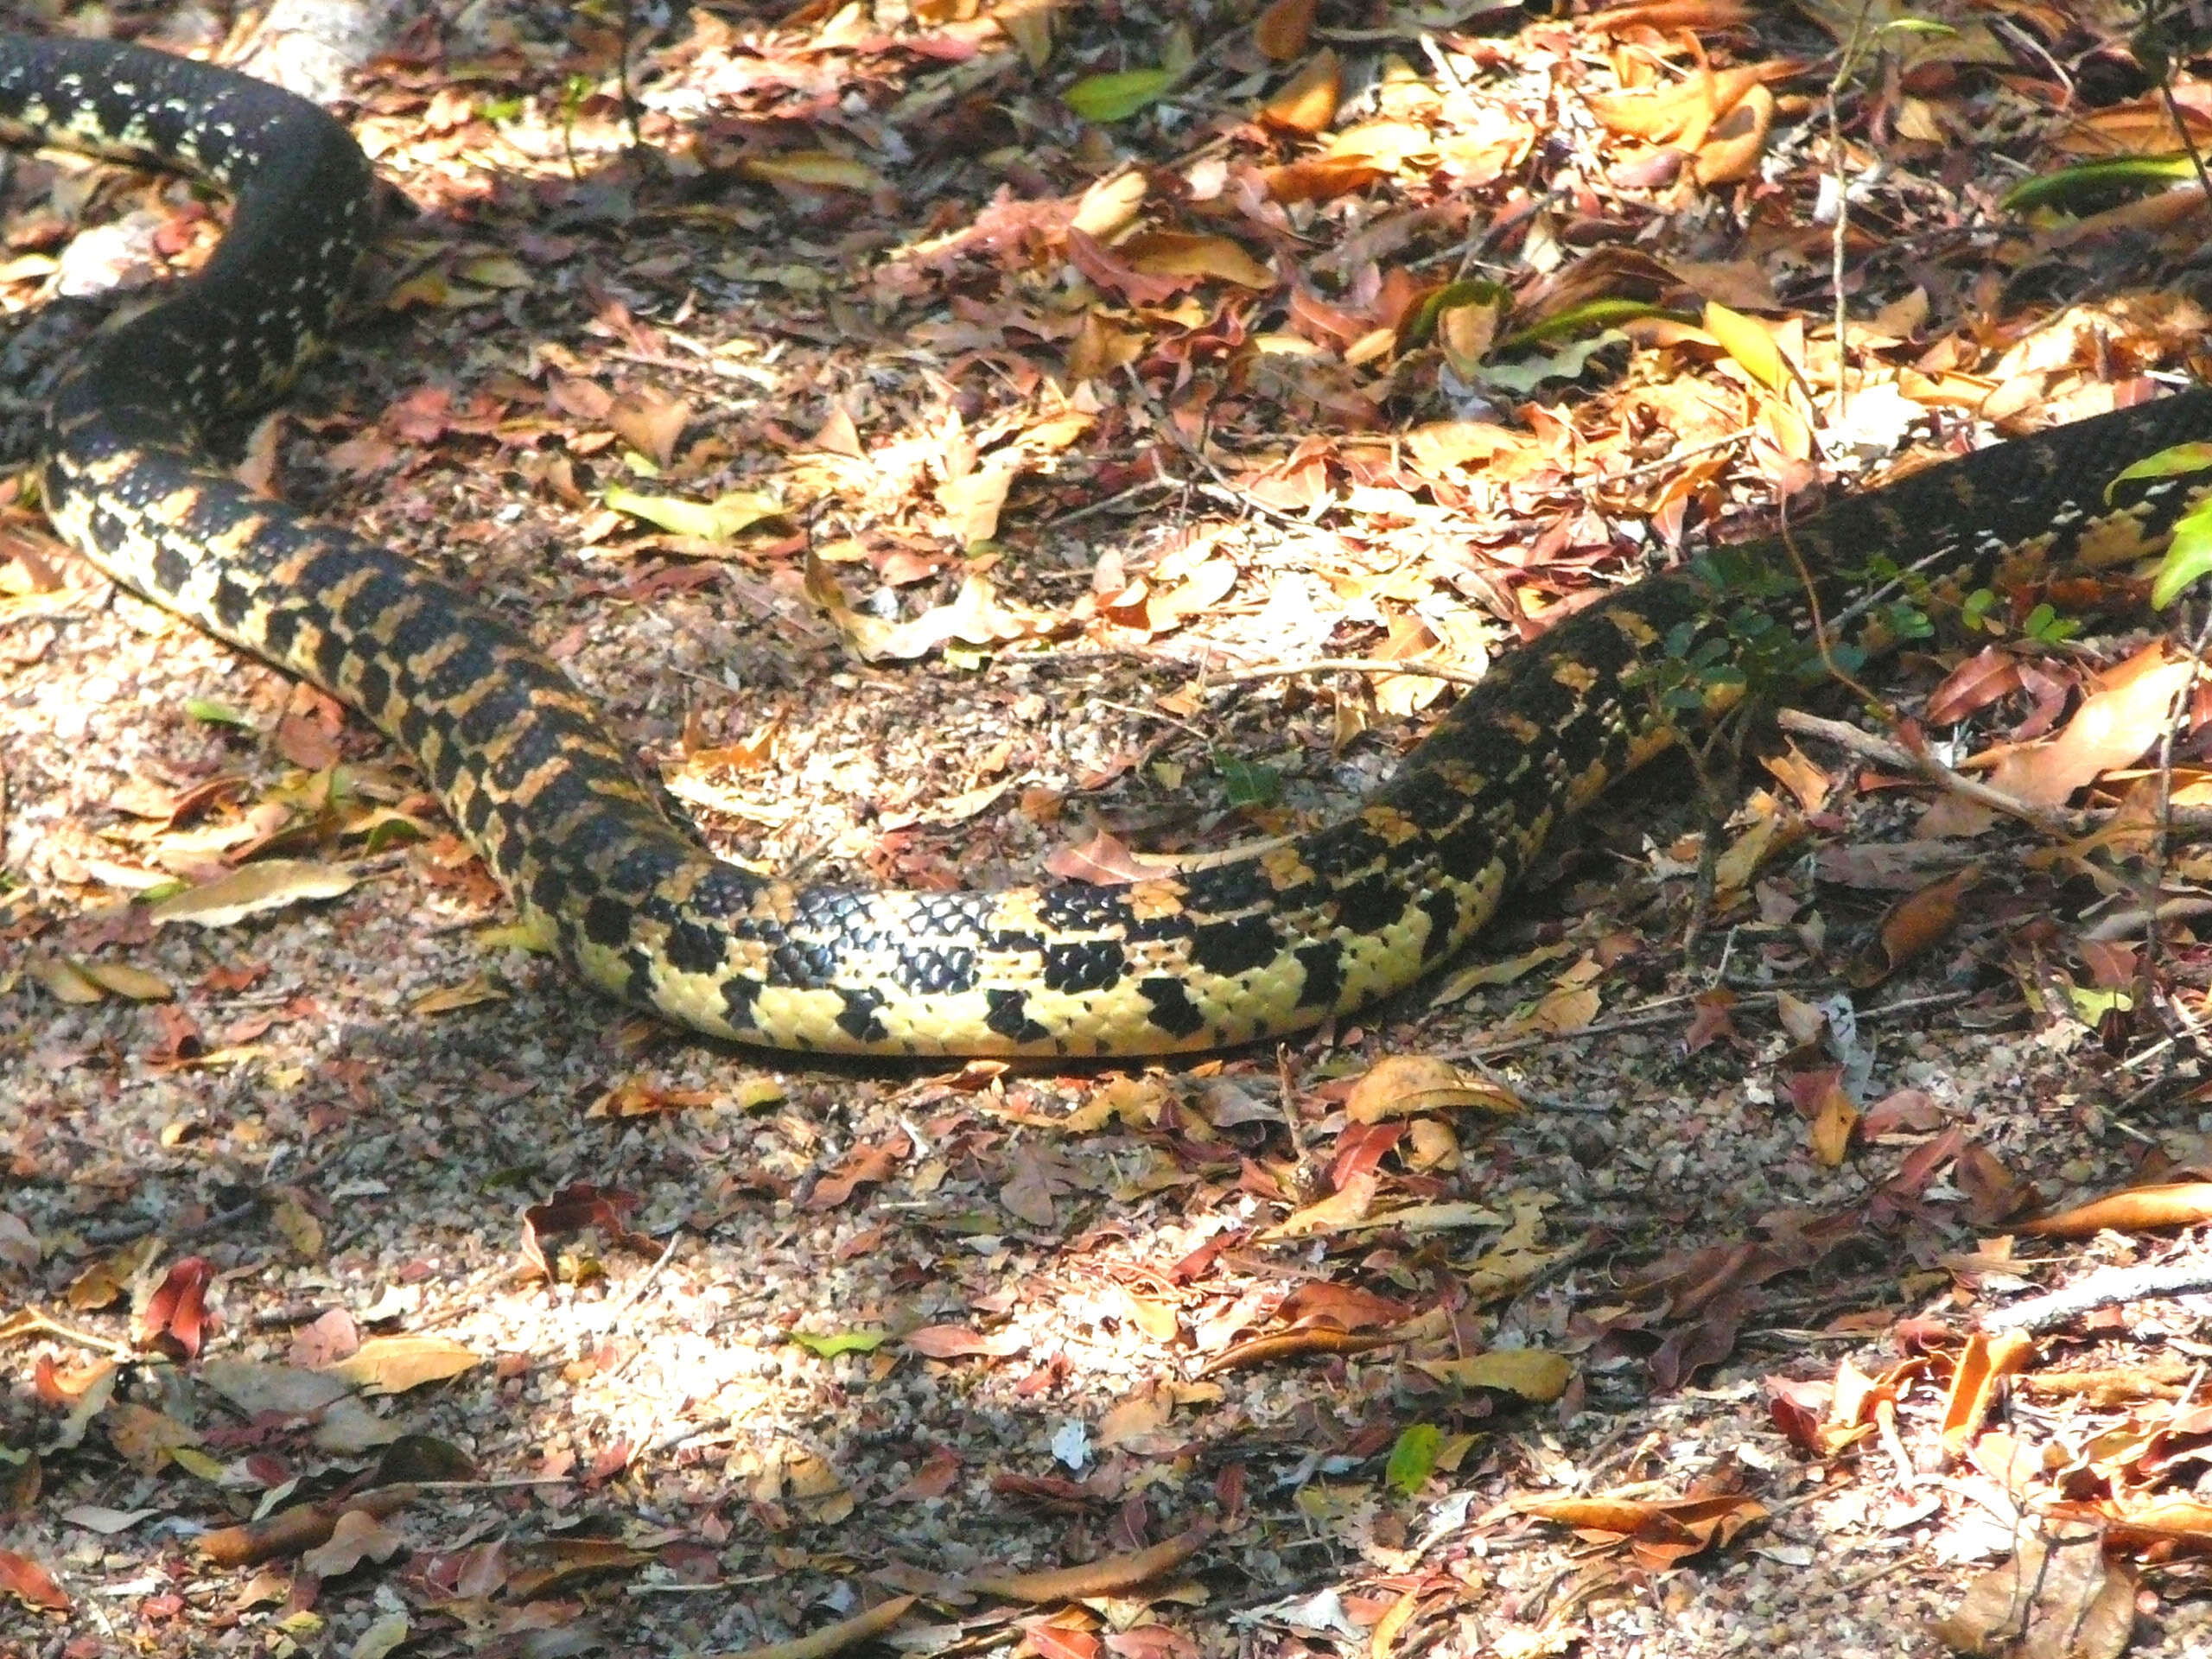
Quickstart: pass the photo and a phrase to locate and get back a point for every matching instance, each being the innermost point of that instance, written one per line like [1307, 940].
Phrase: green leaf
[2045, 625]
[841, 1342]
[2091, 1005]
[219, 714]
[1118, 97]
[1246, 782]
[1412, 1459]
[2187, 556]
[704, 521]
[2181, 459]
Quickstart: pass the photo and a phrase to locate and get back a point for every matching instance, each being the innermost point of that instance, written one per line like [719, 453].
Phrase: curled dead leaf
[2142, 1209]
[1982, 1366]
[1912, 925]
[835, 1638]
[1101, 1577]
[1403, 1085]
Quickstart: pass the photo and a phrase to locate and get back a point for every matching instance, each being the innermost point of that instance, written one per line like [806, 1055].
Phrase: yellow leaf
[817, 169]
[703, 521]
[1749, 343]
[395, 1364]
[1529, 1372]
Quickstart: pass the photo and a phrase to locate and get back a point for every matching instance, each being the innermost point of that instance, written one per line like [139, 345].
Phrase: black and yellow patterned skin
[1245, 951]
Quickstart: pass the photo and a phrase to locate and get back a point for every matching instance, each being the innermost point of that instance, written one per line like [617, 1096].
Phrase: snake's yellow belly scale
[1255, 948]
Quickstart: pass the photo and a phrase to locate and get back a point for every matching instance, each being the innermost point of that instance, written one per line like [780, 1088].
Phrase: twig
[1672, 457]
[2107, 1287]
[1849, 737]
[2056, 823]
[1091, 510]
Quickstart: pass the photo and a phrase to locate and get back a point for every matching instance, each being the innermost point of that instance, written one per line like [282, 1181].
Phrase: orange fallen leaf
[1100, 1578]
[2184, 1203]
[835, 1638]
[29, 1583]
[2114, 725]
[1982, 1366]
[1912, 925]
[1304, 1343]
[1309, 103]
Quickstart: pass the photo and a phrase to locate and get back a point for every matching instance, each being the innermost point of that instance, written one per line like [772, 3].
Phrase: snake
[1260, 947]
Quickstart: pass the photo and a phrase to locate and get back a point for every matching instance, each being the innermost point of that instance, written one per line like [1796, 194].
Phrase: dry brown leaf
[1176, 253]
[446, 998]
[813, 169]
[972, 503]
[1983, 678]
[302, 1527]
[2058, 1598]
[1304, 1343]
[650, 423]
[356, 1536]
[1912, 926]
[1731, 153]
[1320, 178]
[1114, 1574]
[1341, 1209]
[1532, 1373]
[30, 1584]
[1282, 29]
[1668, 16]
[1661, 1532]
[1687, 111]
[1405, 1084]
[124, 980]
[269, 885]
[835, 1638]
[1834, 1119]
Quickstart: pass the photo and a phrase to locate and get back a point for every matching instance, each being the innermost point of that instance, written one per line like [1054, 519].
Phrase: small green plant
[2047, 627]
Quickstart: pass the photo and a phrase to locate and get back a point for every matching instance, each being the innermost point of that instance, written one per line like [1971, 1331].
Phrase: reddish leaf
[1988, 675]
[176, 1313]
[29, 1583]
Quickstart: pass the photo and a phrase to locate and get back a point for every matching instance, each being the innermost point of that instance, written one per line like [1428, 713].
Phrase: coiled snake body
[1247, 950]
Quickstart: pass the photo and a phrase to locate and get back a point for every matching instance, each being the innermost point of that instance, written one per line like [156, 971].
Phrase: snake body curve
[1244, 951]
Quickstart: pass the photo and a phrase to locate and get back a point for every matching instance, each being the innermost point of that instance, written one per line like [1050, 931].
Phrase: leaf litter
[974, 388]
